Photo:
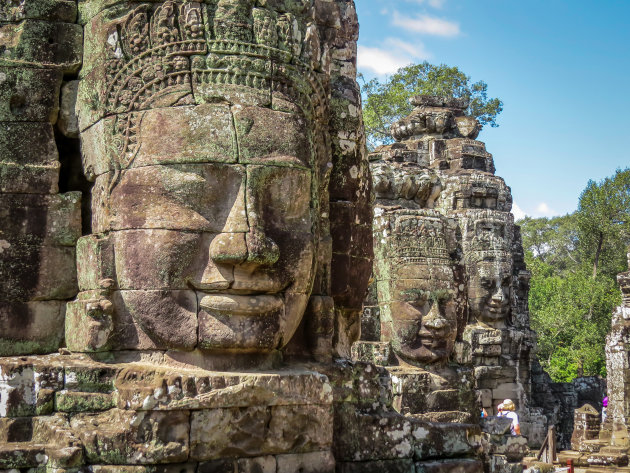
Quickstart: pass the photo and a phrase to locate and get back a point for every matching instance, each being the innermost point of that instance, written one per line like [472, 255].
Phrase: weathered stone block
[128, 437]
[379, 353]
[29, 178]
[265, 464]
[450, 466]
[29, 94]
[226, 465]
[41, 219]
[313, 462]
[255, 431]
[189, 197]
[377, 466]
[95, 261]
[31, 327]
[22, 456]
[172, 263]
[54, 267]
[361, 436]
[90, 378]
[164, 468]
[71, 401]
[513, 447]
[68, 123]
[28, 143]
[131, 320]
[195, 134]
[27, 389]
[143, 388]
[41, 43]
[505, 391]
[290, 144]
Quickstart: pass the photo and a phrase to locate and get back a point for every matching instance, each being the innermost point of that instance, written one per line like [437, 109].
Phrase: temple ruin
[203, 270]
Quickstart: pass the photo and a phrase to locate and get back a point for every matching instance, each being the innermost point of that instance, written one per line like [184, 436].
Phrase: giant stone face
[202, 130]
[416, 285]
[487, 237]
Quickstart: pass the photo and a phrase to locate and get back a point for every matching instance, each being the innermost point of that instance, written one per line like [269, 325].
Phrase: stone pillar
[586, 422]
[41, 47]
[618, 367]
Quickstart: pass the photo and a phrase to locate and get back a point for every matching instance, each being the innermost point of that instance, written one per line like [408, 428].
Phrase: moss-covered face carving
[487, 237]
[489, 290]
[201, 130]
[424, 321]
[416, 285]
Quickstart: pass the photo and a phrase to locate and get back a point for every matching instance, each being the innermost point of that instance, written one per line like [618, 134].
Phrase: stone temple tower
[450, 285]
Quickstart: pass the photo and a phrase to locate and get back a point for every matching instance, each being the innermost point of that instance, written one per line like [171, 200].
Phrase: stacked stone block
[437, 170]
[39, 227]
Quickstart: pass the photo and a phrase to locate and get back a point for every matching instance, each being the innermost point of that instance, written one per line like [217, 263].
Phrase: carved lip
[430, 342]
[233, 304]
[498, 308]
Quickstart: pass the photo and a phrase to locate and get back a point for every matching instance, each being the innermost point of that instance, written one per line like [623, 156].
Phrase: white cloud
[415, 50]
[543, 210]
[518, 212]
[426, 24]
[387, 60]
[431, 3]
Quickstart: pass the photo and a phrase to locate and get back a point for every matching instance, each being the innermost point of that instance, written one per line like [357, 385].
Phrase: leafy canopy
[574, 260]
[386, 102]
[603, 218]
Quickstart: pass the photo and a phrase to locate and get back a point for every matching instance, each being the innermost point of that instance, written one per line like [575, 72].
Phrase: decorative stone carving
[198, 121]
[418, 296]
[447, 250]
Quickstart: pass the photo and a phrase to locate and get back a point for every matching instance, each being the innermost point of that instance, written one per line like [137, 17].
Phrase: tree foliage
[386, 102]
[603, 218]
[573, 287]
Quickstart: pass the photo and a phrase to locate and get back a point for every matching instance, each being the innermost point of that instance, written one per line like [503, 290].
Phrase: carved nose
[433, 320]
[498, 294]
[252, 248]
[229, 248]
[261, 250]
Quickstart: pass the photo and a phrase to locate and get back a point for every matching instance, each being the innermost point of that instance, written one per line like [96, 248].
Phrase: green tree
[571, 315]
[574, 260]
[553, 241]
[603, 217]
[386, 102]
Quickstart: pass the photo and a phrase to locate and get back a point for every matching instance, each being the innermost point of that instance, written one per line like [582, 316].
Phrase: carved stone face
[489, 289]
[416, 286]
[206, 167]
[424, 320]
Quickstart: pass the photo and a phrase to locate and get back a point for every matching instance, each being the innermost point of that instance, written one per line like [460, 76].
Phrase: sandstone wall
[41, 46]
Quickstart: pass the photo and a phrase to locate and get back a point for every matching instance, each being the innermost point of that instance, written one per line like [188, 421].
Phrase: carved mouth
[498, 308]
[249, 304]
[430, 342]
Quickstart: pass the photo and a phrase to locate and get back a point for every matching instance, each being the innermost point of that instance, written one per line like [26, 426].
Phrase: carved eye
[487, 283]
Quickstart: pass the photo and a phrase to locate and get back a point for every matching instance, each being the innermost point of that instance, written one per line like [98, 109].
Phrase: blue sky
[562, 69]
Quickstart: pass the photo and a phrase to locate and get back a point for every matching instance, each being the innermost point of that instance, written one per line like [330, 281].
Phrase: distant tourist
[604, 408]
[507, 409]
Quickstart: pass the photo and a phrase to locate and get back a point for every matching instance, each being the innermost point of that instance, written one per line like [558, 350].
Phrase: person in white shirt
[507, 409]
